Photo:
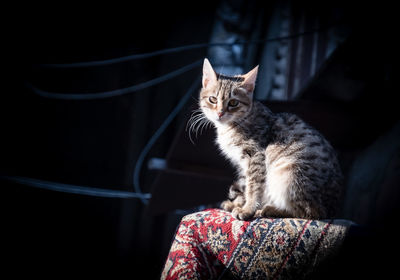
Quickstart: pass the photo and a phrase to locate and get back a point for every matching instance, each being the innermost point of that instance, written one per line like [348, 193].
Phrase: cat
[285, 168]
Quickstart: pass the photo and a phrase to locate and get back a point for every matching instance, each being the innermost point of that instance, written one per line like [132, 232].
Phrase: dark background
[96, 142]
[91, 143]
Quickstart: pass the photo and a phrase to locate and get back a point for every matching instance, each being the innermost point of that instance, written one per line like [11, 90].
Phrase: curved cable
[127, 58]
[156, 135]
[173, 50]
[99, 192]
[74, 189]
[116, 92]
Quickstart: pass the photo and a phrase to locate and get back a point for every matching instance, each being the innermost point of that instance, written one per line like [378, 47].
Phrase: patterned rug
[213, 245]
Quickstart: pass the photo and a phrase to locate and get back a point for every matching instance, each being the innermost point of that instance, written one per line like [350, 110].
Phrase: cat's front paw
[243, 214]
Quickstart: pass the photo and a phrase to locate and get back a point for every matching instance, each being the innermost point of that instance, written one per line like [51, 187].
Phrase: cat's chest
[232, 147]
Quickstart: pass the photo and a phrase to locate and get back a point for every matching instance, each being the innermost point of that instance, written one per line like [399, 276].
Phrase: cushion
[211, 244]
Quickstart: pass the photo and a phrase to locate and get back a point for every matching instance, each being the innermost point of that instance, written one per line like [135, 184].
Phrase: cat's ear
[209, 76]
[249, 81]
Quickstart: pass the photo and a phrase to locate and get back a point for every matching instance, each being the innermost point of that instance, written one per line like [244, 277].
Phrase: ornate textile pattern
[213, 245]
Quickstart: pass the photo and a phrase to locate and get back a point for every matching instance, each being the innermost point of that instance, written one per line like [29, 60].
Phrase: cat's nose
[220, 114]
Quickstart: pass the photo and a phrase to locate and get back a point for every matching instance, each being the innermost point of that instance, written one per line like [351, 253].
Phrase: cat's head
[226, 99]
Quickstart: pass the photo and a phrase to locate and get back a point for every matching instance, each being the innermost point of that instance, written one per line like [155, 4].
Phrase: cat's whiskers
[197, 123]
[203, 125]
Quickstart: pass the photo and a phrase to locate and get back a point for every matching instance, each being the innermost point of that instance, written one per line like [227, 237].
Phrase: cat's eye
[212, 99]
[233, 103]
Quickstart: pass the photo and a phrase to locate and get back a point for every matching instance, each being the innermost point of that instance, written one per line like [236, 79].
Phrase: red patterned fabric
[213, 245]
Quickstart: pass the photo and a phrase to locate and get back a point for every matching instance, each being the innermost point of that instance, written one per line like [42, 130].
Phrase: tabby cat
[285, 168]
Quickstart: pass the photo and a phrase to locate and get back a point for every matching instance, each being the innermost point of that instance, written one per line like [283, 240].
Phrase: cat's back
[295, 141]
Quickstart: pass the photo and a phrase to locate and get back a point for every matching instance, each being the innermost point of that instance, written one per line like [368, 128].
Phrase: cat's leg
[255, 185]
[235, 195]
[269, 211]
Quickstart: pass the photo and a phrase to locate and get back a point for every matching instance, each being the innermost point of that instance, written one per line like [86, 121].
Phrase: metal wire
[116, 92]
[157, 134]
[174, 50]
[99, 192]
[74, 189]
